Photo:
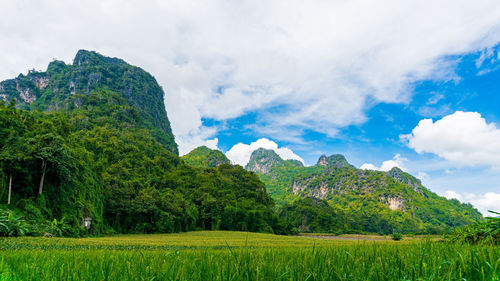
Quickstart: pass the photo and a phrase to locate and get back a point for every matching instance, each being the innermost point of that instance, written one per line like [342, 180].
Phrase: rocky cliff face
[60, 85]
[394, 203]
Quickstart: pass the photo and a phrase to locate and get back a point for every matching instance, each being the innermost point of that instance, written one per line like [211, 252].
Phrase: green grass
[242, 256]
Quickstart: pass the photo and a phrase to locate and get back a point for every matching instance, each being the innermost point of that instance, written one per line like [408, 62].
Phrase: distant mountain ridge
[389, 199]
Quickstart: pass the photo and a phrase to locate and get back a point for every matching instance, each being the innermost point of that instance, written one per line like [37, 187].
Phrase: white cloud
[422, 176]
[322, 63]
[463, 138]
[387, 165]
[240, 153]
[450, 194]
[369, 166]
[483, 202]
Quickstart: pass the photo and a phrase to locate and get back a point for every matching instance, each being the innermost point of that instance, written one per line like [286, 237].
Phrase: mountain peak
[83, 57]
[334, 160]
[405, 178]
[262, 160]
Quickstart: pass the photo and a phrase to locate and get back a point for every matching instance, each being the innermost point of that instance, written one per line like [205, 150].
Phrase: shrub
[397, 236]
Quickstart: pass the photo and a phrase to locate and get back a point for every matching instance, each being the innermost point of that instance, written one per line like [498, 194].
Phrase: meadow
[224, 255]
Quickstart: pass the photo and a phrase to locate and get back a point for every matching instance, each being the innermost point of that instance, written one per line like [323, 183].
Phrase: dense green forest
[359, 200]
[81, 144]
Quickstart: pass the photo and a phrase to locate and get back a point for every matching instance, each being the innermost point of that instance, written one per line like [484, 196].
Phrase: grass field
[224, 255]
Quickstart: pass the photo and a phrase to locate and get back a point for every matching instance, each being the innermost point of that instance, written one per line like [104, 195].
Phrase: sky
[412, 84]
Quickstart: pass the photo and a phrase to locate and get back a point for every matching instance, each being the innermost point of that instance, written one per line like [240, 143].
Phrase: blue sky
[361, 78]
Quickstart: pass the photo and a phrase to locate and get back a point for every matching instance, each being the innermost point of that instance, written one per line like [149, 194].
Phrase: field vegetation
[223, 255]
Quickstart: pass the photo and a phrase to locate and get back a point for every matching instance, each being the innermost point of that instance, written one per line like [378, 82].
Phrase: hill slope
[365, 200]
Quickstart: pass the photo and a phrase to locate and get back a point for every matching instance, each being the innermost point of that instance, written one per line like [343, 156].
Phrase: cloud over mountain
[240, 153]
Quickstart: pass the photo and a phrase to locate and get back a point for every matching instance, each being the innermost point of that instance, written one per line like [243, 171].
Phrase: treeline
[314, 215]
[102, 161]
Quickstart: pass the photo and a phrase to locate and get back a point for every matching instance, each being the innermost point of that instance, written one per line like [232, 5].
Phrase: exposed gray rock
[262, 161]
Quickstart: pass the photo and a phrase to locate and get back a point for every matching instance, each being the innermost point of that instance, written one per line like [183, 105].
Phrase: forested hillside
[334, 196]
[91, 142]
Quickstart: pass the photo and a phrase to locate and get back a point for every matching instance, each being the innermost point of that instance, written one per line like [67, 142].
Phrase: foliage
[486, 231]
[242, 256]
[12, 224]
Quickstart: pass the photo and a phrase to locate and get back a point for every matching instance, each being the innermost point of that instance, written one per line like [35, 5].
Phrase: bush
[397, 236]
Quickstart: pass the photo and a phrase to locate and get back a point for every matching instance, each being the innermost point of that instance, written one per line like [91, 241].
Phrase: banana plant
[12, 224]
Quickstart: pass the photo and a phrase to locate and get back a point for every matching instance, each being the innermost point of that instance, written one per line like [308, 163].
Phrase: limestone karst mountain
[376, 201]
[66, 86]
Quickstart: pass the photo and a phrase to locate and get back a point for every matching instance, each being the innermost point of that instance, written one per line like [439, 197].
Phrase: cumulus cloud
[321, 63]
[240, 153]
[387, 165]
[483, 202]
[463, 138]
